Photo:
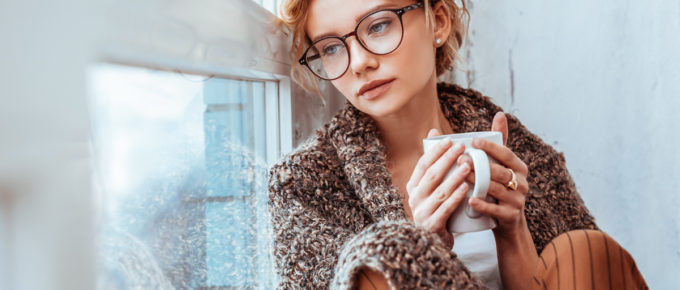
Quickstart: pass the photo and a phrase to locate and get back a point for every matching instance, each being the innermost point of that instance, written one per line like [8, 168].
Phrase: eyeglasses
[380, 33]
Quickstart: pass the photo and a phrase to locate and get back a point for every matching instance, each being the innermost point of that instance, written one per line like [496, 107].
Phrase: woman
[360, 205]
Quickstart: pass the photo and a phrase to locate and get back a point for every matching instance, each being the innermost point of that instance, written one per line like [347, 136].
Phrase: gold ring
[512, 184]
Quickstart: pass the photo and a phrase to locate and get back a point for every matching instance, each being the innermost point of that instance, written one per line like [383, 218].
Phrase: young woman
[360, 205]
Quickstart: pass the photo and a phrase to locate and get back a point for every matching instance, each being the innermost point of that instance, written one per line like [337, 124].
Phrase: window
[271, 5]
[181, 162]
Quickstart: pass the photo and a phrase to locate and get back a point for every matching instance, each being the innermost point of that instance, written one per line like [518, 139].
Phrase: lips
[374, 88]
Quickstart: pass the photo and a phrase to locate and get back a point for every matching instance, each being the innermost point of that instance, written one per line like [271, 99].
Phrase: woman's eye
[331, 49]
[379, 27]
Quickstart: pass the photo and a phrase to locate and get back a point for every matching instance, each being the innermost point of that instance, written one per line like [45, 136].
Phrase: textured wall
[310, 112]
[600, 81]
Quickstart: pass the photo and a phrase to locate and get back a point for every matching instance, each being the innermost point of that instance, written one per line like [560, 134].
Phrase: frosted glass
[182, 189]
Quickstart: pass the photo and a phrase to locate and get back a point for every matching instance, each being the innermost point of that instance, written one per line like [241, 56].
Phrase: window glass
[271, 5]
[182, 179]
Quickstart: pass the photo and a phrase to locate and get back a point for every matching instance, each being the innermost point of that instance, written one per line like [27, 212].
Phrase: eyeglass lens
[379, 33]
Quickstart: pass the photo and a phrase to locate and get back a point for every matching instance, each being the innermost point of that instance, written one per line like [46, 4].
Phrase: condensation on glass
[181, 174]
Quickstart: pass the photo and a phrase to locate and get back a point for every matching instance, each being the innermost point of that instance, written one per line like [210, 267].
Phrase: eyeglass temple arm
[409, 8]
[303, 60]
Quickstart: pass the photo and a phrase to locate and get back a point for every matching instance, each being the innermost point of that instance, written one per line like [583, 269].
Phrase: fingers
[500, 193]
[433, 133]
[502, 154]
[504, 213]
[498, 190]
[434, 174]
[499, 173]
[442, 193]
[427, 159]
[445, 210]
[465, 159]
[500, 124]
[425, 162]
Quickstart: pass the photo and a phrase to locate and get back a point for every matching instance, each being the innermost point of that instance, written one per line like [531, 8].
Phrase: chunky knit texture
[334, 209]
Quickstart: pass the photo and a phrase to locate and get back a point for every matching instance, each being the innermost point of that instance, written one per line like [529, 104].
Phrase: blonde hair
[294, 15]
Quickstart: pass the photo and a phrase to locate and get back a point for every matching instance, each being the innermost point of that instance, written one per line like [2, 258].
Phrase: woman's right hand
[432, 195]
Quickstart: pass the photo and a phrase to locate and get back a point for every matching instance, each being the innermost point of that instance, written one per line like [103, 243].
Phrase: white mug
[465, 219]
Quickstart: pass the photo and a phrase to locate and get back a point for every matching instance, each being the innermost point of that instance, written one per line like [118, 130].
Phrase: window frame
[223, 48]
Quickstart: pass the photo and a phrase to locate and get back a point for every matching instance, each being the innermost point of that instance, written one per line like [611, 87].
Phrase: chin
[382, 107]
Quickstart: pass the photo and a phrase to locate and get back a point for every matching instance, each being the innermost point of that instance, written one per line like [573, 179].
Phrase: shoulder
[474, 111]
[319, 161]
[314, 170]
[306, 165]
[468, 104]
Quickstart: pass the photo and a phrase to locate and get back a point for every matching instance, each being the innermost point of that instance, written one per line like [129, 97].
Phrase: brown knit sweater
[334, 208]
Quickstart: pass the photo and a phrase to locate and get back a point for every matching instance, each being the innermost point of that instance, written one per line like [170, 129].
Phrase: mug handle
[482, 178]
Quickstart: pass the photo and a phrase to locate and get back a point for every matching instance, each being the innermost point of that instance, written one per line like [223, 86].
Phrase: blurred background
[135, 136]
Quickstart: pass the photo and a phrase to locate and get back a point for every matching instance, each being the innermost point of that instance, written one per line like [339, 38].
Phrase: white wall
[44, 151]
[310, 112]
[600, 81]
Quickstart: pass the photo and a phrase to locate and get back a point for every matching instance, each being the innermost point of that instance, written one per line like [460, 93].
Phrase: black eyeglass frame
[399, 11]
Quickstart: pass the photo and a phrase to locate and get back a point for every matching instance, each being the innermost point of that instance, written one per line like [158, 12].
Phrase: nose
[361, 60]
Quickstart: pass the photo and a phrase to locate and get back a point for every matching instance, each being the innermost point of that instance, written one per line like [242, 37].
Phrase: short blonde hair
[294, 15]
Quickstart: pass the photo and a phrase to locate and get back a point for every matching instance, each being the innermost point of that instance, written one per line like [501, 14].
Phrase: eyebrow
[356, 20]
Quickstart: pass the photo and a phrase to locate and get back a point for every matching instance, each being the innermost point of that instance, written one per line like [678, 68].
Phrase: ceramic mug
[465, 219]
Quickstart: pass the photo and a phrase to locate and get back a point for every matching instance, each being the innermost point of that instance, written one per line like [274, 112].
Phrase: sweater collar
[356, 139]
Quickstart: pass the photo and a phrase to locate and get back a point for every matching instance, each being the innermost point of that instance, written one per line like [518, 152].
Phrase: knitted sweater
[334, 209]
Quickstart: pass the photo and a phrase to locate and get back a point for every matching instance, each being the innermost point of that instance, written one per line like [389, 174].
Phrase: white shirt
[477, 251]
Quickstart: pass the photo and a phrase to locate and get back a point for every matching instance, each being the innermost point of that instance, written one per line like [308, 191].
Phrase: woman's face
[407, 71]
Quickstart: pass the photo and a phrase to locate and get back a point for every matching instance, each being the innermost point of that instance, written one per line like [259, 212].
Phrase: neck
[403, 131]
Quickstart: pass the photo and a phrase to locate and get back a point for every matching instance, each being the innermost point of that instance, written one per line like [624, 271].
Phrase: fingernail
[458, 146]
[463, 187]
[477, 142]
[464, 167]
[445, 142]
[474, 202]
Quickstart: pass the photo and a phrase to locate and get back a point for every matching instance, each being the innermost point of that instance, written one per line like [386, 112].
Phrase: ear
[442, 23]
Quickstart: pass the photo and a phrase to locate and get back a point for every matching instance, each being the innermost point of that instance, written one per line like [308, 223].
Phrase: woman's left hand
[509, 212]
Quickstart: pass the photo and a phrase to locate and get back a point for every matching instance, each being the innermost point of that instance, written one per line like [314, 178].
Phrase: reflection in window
[182, 175]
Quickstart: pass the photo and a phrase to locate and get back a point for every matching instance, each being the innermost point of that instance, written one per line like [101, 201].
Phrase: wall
[45, 181]
[600, 81]
[310, 112]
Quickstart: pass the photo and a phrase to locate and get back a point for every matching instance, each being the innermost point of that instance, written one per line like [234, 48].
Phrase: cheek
[415, 55]
[347, 85]
[344, 85]
[414, 60]
[419, 54]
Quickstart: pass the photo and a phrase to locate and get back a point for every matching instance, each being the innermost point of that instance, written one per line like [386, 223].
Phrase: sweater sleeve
[315, 250]
[408, 257]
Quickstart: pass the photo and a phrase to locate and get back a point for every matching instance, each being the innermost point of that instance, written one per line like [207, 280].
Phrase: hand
[509, 212]
[433, 196]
